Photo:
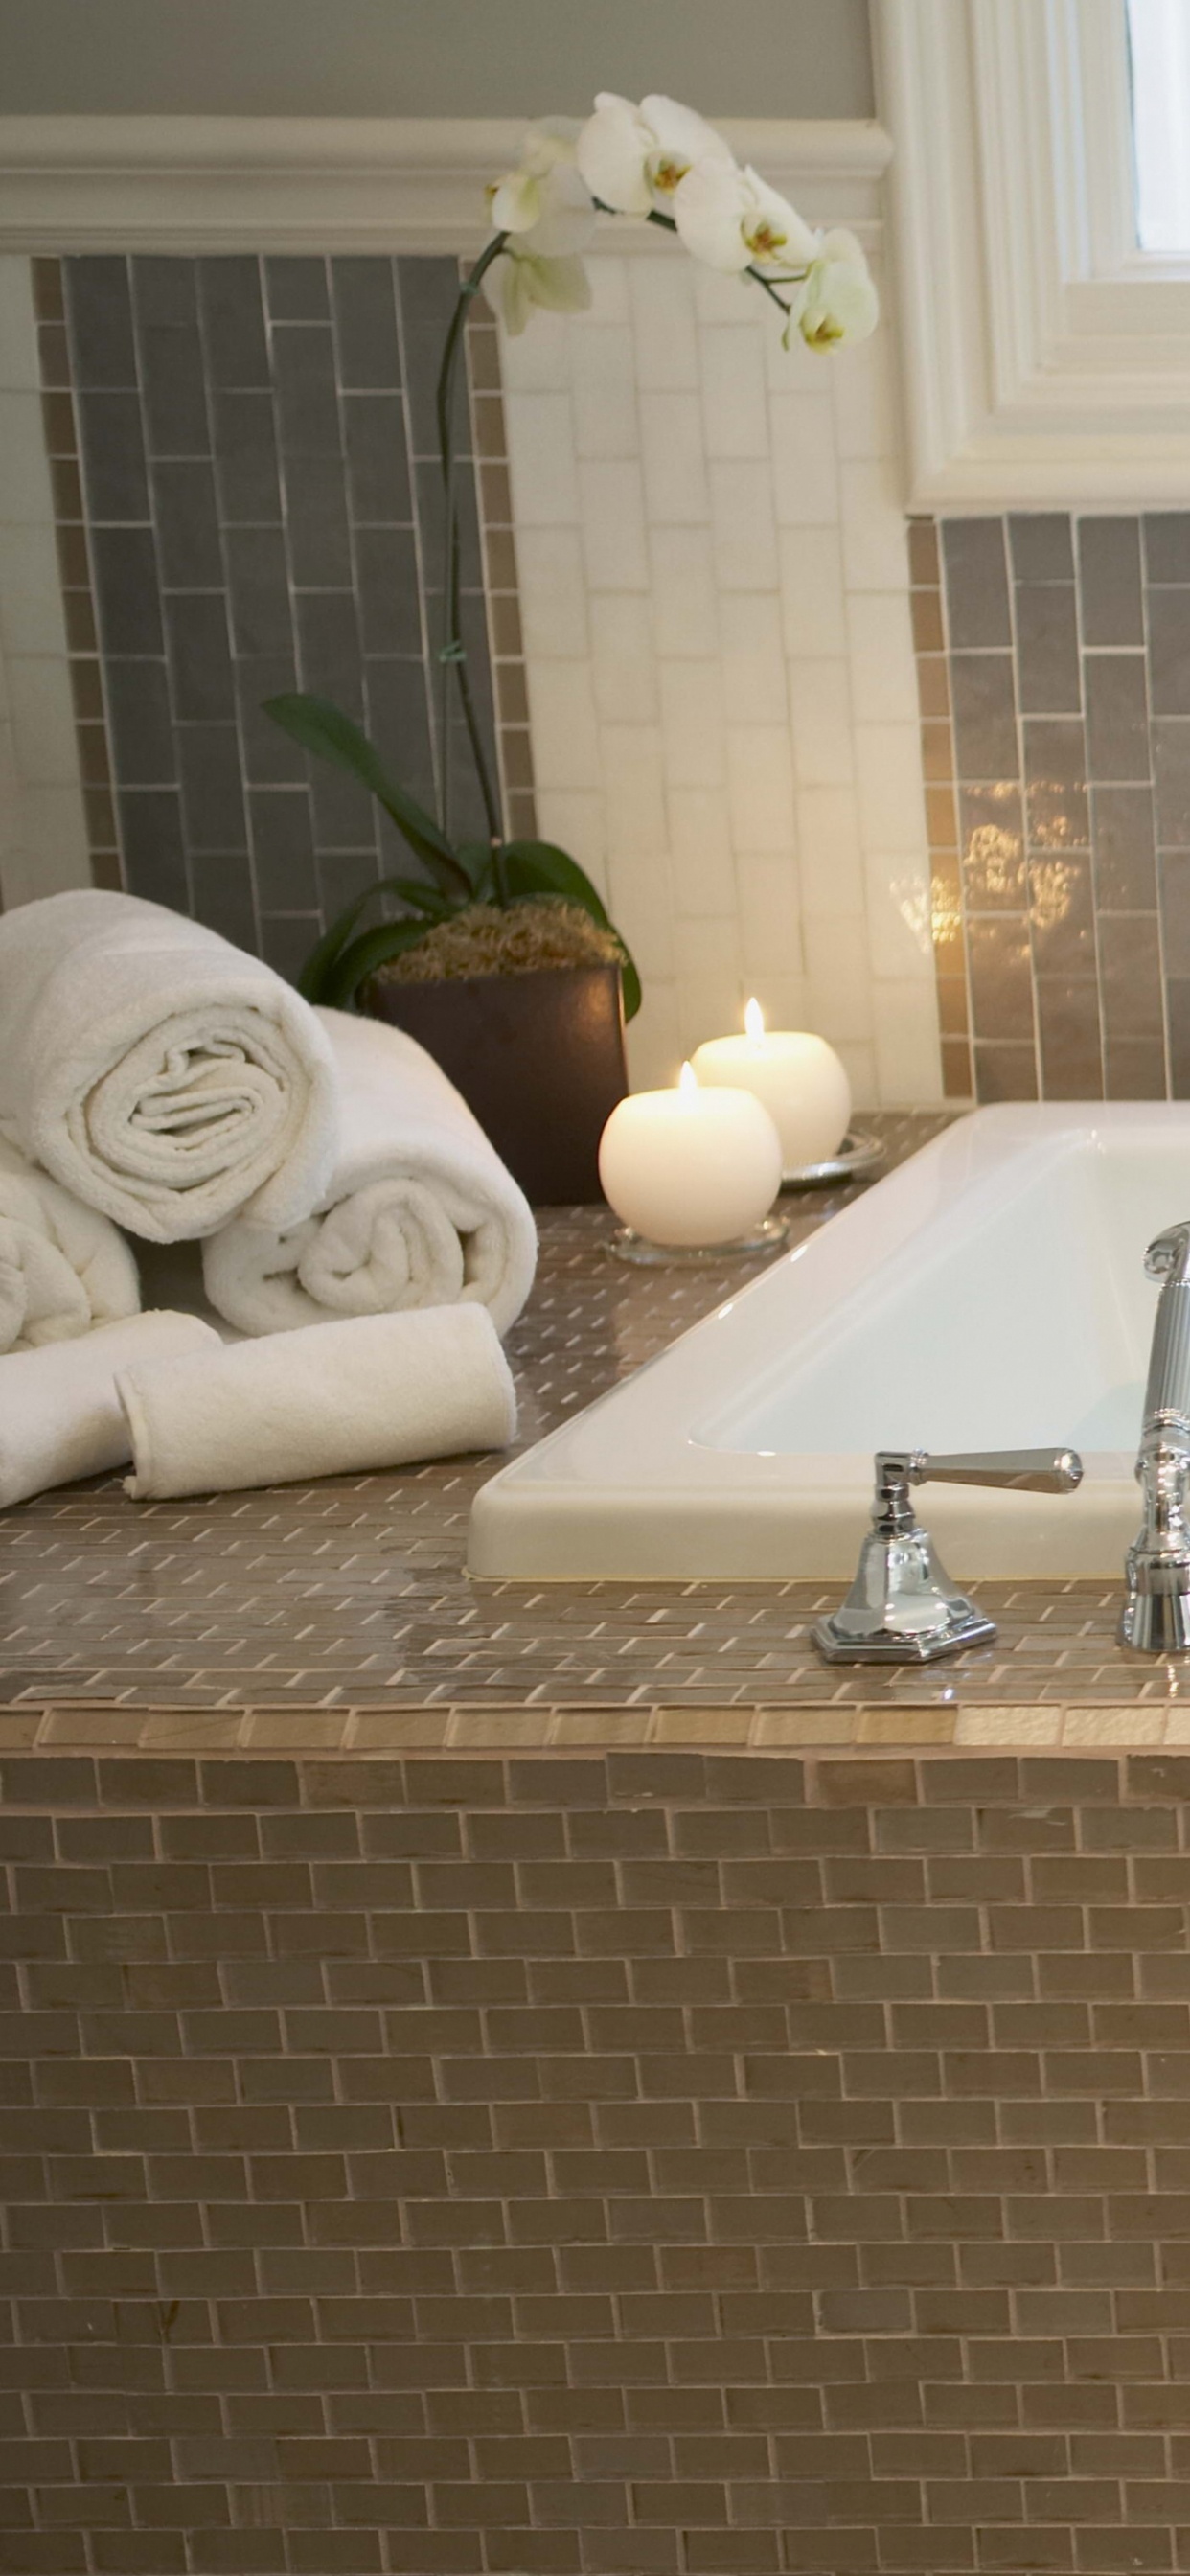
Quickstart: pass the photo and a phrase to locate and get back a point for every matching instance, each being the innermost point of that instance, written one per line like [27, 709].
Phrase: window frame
[1046, 357]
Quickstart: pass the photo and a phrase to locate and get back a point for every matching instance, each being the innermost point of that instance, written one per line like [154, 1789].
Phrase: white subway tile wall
[715, 598]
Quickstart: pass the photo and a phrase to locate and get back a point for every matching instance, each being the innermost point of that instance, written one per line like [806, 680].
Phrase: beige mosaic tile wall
[642, 2166]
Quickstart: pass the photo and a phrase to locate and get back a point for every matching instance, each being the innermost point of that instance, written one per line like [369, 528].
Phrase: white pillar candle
[690, 1166]
[798, 1077]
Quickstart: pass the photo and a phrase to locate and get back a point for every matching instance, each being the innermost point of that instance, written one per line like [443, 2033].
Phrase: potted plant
[503, 963]
[503, 960]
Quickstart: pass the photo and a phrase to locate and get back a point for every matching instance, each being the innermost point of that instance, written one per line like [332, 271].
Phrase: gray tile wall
[1054, 663]
[260, 488]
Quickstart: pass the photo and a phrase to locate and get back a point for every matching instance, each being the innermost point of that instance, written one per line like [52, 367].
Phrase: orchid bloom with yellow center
[733, 220]
[837, 300]
[634, 159]
[545, 197]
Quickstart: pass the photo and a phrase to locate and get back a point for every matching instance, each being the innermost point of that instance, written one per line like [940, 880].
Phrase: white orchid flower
[838, 300]
[523, 277]
[545, 195]
[634, 158]
[733, 220]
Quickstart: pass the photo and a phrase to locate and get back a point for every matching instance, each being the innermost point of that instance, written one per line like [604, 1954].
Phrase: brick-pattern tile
[619, 2163]
[1052, 671]
[243, 456]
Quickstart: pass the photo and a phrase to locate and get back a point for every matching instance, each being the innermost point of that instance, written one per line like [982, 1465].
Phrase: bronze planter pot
[539, 1059]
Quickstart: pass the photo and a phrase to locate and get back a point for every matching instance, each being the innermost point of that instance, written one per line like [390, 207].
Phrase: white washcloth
[158, 1073]
[341, 1399]
[60, 1416]
[63, 1267]
[420, 1210]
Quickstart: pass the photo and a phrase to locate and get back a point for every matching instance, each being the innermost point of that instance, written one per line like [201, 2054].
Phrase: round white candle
[690, 1166]
[798, 1077]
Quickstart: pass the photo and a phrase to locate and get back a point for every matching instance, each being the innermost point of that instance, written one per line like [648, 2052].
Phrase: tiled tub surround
[247, 492]
[340, 1615]
[1054, 668]
[596, 2166]
[715, 594]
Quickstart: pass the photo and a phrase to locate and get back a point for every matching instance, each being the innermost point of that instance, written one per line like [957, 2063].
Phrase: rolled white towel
[338, 1400]
[158, 1073]
[63, 1267]
[60, 1416]
[419, 1210]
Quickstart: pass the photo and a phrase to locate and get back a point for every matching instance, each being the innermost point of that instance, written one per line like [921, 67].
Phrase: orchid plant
[663, 164]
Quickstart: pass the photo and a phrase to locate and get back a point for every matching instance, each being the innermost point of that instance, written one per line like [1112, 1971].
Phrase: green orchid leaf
[313, 978]
[538, 867]
[324, 729]
[476, 857]
[422, 898]
[373, 948]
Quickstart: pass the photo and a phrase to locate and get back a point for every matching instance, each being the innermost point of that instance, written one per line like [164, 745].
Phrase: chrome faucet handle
[902, 1607]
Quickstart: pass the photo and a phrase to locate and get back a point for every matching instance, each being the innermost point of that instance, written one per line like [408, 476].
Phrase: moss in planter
[527, 939]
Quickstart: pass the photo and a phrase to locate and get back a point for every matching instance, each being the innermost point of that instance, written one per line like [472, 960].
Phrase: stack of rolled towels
[362, 1246]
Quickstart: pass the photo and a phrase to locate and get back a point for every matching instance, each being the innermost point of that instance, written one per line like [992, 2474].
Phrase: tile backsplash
[243, 454]
[924, 785]
[1054, 677]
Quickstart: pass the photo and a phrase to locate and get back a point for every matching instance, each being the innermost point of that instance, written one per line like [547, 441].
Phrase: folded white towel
[419, 1211]
[338, 1400]
[60, 1416]
[158, 1073]
[63, 1267]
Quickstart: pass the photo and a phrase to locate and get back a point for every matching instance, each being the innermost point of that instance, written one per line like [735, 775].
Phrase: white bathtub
[990, 1294]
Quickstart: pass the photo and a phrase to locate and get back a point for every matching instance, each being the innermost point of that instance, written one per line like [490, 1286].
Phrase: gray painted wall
[431, 57]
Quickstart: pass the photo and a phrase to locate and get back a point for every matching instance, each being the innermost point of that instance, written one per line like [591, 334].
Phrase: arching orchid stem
[452, 655]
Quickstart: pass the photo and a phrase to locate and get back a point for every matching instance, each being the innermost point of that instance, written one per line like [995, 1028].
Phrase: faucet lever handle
[1023, 1471]
[902, 1607]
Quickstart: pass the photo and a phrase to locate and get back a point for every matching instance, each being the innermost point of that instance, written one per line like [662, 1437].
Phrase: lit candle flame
[687, 1081]
[753, 1019]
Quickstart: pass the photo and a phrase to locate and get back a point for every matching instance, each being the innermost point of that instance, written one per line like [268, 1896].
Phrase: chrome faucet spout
[1156, 1615]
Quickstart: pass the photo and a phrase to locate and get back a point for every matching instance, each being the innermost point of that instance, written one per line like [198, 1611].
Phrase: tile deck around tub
[339, 1614]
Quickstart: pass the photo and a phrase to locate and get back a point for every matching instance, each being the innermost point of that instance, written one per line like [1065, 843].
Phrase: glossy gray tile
[297, 290]
[1167, 546]
[1123, 840]
[186, 516]
[1169, 650]
[112, 443]
[1095, 685]
[1109, 560]
[1041, 546]
[1171, 769]
[1047, 648]
[245, 428]
[985, 719]
[124, 566]
[232, 313]
[199, 648]
[365, 316]
[976, 573]
[1117, 717]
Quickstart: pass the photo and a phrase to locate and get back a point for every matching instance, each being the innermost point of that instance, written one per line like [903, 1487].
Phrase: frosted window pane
[1159, 41]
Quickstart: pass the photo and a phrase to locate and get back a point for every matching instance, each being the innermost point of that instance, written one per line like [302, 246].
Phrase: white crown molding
[1045, 359]
[209, 183]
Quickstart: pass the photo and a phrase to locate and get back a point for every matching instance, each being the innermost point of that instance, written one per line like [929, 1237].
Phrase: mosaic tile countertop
[339, 1615]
